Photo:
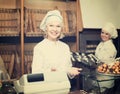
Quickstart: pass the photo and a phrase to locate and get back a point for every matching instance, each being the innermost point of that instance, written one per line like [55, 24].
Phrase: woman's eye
[102, 32]
[107, 33]
[58, 26]
[50, 25]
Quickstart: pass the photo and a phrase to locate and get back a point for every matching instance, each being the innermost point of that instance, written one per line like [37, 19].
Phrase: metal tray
[107, 74]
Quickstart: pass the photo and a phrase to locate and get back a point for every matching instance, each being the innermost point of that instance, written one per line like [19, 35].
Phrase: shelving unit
[28, 15]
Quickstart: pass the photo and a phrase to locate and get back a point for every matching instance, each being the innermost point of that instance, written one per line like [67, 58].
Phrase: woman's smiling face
[105, 36]
[53, 29]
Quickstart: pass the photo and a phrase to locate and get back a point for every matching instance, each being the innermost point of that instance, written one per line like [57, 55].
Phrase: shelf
[37, 39]
[9, 33]
[33, 34]
[10, 39]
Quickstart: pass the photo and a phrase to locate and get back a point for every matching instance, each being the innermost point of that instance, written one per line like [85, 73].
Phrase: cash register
[43, 83]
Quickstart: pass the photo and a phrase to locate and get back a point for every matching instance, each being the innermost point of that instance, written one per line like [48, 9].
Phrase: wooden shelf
[9, 33]
[10, 39]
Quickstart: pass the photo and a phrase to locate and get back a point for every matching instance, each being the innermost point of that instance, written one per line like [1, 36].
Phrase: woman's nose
[55, 28]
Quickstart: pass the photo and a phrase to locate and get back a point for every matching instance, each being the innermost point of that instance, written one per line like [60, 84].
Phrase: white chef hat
[110, 28]
[53, 15]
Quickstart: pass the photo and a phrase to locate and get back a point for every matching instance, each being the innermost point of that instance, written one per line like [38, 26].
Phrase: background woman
[106, 51]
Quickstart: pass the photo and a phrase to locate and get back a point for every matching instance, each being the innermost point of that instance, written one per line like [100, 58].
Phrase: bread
[105, 68]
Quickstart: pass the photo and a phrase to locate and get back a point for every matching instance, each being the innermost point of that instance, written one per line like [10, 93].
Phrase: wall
[96, 12]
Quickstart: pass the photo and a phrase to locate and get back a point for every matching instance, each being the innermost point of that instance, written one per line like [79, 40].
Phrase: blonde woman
[51, 54]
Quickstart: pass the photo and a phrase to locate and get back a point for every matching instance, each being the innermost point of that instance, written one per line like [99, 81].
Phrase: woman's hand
[53, 69]
[74, 71]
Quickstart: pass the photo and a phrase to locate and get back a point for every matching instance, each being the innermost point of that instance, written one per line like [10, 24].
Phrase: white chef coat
[49, 54]
[106, 52]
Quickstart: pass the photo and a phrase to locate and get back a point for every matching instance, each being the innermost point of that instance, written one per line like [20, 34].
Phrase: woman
[51, 54]
[106, 51]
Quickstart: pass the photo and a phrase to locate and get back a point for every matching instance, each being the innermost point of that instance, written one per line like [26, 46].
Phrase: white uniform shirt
[49, 54]
[106, 52]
